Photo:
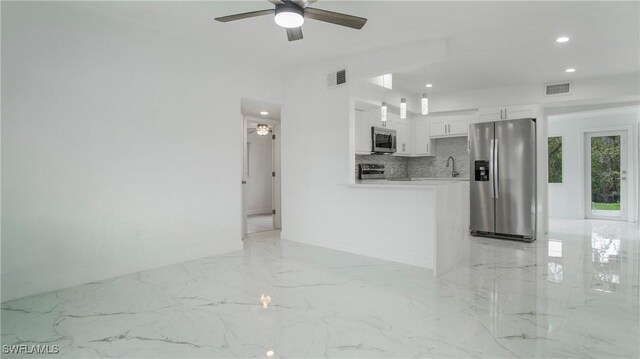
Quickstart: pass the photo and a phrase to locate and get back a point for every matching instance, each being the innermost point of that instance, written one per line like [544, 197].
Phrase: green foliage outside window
[605, 170]
[555, 159]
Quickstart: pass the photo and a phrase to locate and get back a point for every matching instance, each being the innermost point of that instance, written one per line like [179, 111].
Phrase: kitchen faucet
[453, 167]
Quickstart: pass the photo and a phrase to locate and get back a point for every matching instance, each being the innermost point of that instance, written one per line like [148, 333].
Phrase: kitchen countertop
[409, 183]
[413, 179]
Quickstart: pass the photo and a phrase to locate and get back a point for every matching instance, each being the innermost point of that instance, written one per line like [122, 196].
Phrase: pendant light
[262, 130]
[383, 114]
[425, 104]
[383, 107]
[425, 99]
[403, 108]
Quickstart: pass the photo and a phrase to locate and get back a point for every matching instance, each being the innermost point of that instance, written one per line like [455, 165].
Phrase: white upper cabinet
[404, 142]
[422, 144]
[516, 112]
[437, 126]
[363, 133]
[488, 114]
[364, 121]
[459, 125]
[449, 125]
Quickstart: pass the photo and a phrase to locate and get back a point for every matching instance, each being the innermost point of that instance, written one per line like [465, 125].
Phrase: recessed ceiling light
[570, 70]
[270, 353]
[264, 113]
[562, 39]
[429, 85]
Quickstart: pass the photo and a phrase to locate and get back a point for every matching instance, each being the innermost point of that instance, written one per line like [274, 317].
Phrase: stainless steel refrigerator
[503, 179]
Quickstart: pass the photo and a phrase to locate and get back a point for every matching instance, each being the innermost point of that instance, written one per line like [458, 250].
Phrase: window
[555, 159]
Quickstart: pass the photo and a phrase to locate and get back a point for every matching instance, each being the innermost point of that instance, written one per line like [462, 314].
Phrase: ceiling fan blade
[337, 18]
[294, 34]
[302, 3]
[245, 15]
[276, 2]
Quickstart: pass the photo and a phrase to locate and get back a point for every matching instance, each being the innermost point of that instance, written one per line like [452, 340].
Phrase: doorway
[261, 167]
[606, 175]
[259, 177]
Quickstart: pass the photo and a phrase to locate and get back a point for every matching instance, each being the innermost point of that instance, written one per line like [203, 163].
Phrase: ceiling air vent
[337, 78]
[558, 89]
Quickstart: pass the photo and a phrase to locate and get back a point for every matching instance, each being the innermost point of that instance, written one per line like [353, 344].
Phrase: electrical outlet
[138, 234]
[391, 169]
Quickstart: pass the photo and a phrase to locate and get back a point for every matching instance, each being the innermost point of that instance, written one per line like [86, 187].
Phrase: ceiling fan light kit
[290, 14]
[262, 129]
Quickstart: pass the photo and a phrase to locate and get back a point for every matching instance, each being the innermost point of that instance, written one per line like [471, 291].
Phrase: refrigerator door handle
[492, 171]
[496, 168]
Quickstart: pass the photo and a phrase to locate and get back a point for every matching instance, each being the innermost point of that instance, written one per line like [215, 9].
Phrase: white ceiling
[605, 41]
[252, 108]
[491, 44]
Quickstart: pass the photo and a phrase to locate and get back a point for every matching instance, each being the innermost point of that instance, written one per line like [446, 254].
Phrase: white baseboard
[403, 258]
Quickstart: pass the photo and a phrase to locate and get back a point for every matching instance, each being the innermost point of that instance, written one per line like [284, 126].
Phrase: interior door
[606, 175]
[515, 171]
[481, 182]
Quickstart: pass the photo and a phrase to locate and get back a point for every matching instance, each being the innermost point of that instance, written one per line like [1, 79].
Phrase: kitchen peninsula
[428, 220]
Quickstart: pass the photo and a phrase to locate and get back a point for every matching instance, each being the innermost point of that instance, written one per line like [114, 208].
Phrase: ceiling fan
[290, 14]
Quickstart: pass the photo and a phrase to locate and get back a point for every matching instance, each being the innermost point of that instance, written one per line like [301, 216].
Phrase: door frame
[276, 196]
[625, 198]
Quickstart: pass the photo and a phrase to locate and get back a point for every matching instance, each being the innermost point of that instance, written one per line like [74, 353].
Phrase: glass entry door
[606, 175]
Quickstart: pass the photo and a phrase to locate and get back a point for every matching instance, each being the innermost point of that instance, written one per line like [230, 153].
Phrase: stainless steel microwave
[383, 140]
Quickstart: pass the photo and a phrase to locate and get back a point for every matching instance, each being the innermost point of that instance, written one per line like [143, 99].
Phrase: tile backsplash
[435, 166]
[429, 167]
[397, 165]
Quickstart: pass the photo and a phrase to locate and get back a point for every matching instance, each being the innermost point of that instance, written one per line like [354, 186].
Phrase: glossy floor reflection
[575, 295]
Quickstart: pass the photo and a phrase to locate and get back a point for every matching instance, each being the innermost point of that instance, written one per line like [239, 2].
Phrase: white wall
[567, 199]
[259, 180]
[121, 149]
[319, 207]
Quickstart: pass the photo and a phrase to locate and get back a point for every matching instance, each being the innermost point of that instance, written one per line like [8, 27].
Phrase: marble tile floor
[575, 295]
[259, 223]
